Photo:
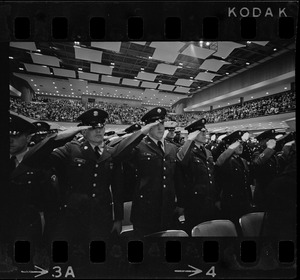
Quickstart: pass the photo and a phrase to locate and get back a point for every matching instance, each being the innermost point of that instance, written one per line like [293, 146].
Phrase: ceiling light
[207, 43]
[21, 68]
[150, 57]
[10, 57]
[267, 93]
[76, 43]
[57, 91]
[251, 96]
[274, 49]
[248, 63]
[248, 42]
[79, 68]
[180, 63]
[112, 63]
[54, 83]
[227, 73]
[142, 69]
[285, 87]
[55, 87]
[35, 85]
[191, 78]
[38, 50]
[31, 80]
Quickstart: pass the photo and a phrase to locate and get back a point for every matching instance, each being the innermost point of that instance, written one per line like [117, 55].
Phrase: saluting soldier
[41, 131]
[233, 175]
[90, 182]
[29, 194]
[170, 132]
[201, 193]
[154, 200]
[267, 164]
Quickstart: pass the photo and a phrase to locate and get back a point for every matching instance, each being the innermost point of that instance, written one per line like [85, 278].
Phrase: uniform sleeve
[262, 158]
[124, 149]
[117, 191]
[184, 152]
[224, 157]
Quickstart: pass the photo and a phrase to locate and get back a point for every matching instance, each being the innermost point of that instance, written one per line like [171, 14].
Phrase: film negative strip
[233, 250]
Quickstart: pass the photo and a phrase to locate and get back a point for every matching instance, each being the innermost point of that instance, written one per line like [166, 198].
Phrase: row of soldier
[70, 187]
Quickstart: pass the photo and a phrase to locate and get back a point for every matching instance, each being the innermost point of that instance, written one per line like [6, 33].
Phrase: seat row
[251, 225]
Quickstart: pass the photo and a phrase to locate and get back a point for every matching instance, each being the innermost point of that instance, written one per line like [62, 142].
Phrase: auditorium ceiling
[154, 73]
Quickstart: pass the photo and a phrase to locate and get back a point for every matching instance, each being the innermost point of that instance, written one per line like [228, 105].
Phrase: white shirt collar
[155, 141]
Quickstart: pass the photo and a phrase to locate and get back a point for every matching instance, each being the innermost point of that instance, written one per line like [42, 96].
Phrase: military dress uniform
[90, 185]
[128, 168]
[267, 165]
[28, 198]
[154, 199]
[233, 175]
[201, 192]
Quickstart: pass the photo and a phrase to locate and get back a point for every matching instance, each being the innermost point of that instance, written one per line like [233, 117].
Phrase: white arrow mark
[39, 272]
[195, 271]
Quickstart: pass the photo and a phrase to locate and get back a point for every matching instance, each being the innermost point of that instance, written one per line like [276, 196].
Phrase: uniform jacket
[28, 193]
[200, 186]
[267, 164]
[86, 183]
[233, 176]
[198, 169]
[155, 185]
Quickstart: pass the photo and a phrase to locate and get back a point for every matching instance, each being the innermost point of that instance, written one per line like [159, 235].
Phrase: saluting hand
[145, 129]
[165, 133]
[193, 135]
[71, 131]
[234, 145]
[271, 144]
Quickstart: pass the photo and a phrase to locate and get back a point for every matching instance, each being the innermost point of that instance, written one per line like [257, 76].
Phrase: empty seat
[169, 233]
[216, 228]
[251, 224]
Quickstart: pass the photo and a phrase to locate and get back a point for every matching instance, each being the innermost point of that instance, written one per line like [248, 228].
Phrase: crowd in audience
[67, 110]
[276, 104]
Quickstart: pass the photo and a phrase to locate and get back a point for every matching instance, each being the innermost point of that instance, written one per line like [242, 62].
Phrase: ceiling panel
[262, 43]
[165, 69]
[88, 76]
[184, 82]
[88, 54]
[130, 82]
[198, 52]
[37, 68]
[225, 48]
[101, 69]
[203, 76]
[110, 79]
[182, 89]
[168, 46]
[64, 72]
[24, 45]
[164, 55]
[130, 58]
[166, 87]
[45, 59]
[212, 64]
[146, 76]
[149, 85]
[110, 46]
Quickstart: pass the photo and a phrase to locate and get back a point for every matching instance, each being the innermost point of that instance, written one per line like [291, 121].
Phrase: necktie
[160, 145]
[97, 152]
[12, 163]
